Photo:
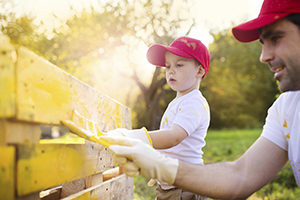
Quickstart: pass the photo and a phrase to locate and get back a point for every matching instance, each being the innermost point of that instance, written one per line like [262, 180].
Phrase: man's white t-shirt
[282, 127]
[191, 112]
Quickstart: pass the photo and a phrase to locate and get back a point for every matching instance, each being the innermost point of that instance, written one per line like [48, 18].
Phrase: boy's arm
[163, 139]
[158, 139]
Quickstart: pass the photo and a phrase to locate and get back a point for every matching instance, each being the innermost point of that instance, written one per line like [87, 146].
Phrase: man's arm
[234, 180]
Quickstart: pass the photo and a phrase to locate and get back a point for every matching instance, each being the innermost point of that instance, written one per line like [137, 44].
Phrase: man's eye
[275, 38]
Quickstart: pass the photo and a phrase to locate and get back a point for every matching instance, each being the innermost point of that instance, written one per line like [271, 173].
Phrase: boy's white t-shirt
[282, 127]
[191, 112]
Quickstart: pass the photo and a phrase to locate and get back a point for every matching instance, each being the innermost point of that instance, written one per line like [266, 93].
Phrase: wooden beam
[7, 172]
[47, 94]
[13, 132]
[7, 78]
[46, 165]
[119, 187]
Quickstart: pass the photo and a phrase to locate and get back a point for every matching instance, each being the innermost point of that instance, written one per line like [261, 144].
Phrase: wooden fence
[35, 96]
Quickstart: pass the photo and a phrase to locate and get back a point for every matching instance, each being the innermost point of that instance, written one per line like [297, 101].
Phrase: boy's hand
[150, 163]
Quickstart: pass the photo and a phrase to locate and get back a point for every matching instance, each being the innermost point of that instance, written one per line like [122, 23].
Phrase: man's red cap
[271, 11]
[184, 47]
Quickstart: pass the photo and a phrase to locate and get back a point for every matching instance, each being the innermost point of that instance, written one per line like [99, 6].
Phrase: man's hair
[294, 18]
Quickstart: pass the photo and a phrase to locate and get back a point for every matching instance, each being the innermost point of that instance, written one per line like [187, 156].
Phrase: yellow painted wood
[47, 94]
[7, 78]
[46, 165]
[7, 172]
[120, 187]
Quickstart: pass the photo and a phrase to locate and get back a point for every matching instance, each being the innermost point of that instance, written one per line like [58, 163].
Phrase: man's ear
[201, 71]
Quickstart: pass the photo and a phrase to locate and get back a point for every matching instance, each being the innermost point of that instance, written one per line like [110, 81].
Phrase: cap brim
[156, 54]
[248, 31]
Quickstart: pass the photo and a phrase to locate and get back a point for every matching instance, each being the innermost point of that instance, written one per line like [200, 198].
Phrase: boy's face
[182, 74]
[281, 50]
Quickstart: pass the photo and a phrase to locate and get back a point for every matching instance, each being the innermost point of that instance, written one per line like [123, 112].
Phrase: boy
[185, 122]
[187, 116]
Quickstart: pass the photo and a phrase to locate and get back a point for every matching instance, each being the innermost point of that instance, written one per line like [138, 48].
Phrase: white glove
[140, 134]
[151, 163]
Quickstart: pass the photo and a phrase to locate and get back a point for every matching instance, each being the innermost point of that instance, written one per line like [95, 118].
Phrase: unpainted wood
[13, 132]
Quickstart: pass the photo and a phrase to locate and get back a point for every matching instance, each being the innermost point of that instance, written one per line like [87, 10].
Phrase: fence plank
[46, 94]
[7, 172]
[13, 132]
[7, 78]
[118, 188]
[46, 165]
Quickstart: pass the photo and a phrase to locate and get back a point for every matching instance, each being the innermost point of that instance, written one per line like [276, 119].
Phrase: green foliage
[141, 190]
[228, 145]
[238, 87]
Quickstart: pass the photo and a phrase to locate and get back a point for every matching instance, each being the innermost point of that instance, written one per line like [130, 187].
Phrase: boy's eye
[179, 65]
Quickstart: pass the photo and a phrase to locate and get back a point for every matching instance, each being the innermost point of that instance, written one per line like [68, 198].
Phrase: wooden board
[7, 78]
[51, 95]
[46, 165]
[38, 91]
[118, 188]
[12, 132]
[7, 172]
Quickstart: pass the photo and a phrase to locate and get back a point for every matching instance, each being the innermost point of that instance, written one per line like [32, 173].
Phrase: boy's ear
[201, 71]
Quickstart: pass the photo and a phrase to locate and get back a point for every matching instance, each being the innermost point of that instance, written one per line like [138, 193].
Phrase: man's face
[281, 50]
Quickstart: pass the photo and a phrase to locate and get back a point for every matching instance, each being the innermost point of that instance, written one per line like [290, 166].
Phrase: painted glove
[84, 127]
[150, 163]
[140, 134]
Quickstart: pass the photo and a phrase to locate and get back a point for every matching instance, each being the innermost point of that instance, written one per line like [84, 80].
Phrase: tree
[155, 23]
[76, 45]
[238, 87]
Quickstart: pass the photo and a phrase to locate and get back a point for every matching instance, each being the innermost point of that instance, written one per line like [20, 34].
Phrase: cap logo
[189, 44]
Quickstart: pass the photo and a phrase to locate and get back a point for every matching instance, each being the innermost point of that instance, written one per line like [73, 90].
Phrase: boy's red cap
[185, 47]
[271, 11]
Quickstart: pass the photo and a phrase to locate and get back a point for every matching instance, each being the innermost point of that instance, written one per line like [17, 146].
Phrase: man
[278, 29]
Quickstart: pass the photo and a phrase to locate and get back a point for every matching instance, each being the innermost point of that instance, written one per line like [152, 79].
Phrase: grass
[228, 145]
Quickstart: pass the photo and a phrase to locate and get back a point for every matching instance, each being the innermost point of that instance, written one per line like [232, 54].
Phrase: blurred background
[104, 43]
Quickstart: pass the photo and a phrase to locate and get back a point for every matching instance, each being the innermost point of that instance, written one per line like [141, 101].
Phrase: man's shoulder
[289, 95]
[288, 100]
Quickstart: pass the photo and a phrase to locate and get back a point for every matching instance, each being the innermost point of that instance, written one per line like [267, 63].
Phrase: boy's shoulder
[196, 101]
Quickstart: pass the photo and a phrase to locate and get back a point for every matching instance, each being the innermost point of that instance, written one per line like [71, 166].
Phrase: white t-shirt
[191, 112]
[282, 127]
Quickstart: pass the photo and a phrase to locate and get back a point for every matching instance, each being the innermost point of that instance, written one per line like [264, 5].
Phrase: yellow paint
[43, 91]
[7, 78]
[7, 172]
[206, 106]
[68, 138]
[287, 136]
[47, 94]
[43, 166]
[285, 124]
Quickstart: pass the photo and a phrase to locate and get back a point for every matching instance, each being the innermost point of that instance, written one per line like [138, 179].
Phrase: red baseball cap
[184, 47]
[271, 11]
